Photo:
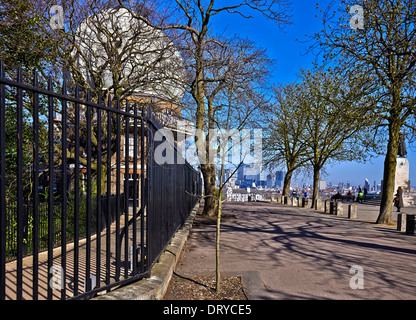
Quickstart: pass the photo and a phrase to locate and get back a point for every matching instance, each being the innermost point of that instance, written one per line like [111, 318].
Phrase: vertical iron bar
[99, 191]
[76, 198]
[151, 176]
[51, 143]
[126, 194]
[135, 137]
[19, 177]
[142, 195]
[108, 224]
[118, 169]
[64, 190]
[88, 199]
[35, 231]
[2, 185]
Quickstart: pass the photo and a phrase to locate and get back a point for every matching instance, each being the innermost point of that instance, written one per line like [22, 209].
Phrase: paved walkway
[296, 253]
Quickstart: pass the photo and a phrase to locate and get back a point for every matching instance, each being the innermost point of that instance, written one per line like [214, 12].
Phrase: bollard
[300, 202]
[339, 208]
[352, 211]
[410, 224]
[401, 222]
[295, 202]
[273, 198]
[327, 206]
[332, 207]
[318, 205]
[305, 202]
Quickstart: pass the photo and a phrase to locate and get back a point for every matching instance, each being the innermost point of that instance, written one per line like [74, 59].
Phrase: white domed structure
[114, 48]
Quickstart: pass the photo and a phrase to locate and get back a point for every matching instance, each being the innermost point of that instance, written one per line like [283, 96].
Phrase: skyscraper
[367, 184]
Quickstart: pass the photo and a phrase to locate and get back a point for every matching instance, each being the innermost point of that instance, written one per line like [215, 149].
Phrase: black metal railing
[84, 206]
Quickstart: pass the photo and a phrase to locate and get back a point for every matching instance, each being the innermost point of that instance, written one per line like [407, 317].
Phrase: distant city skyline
[356, 173]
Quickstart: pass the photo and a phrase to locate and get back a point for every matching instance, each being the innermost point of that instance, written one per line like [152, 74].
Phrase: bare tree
[285, 143]
[236, 74]
[318, 121]
[333, 106]
[195, 20]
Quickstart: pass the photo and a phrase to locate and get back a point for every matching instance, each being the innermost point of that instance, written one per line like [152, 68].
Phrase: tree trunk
[208, 173]
[286, 183]
[208, 170]
[389, 176]
[316, 178]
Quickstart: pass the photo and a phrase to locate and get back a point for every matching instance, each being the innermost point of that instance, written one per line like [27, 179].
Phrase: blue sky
[291, 56]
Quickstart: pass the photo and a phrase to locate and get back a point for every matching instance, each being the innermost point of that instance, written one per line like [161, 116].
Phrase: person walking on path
[398, 200]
